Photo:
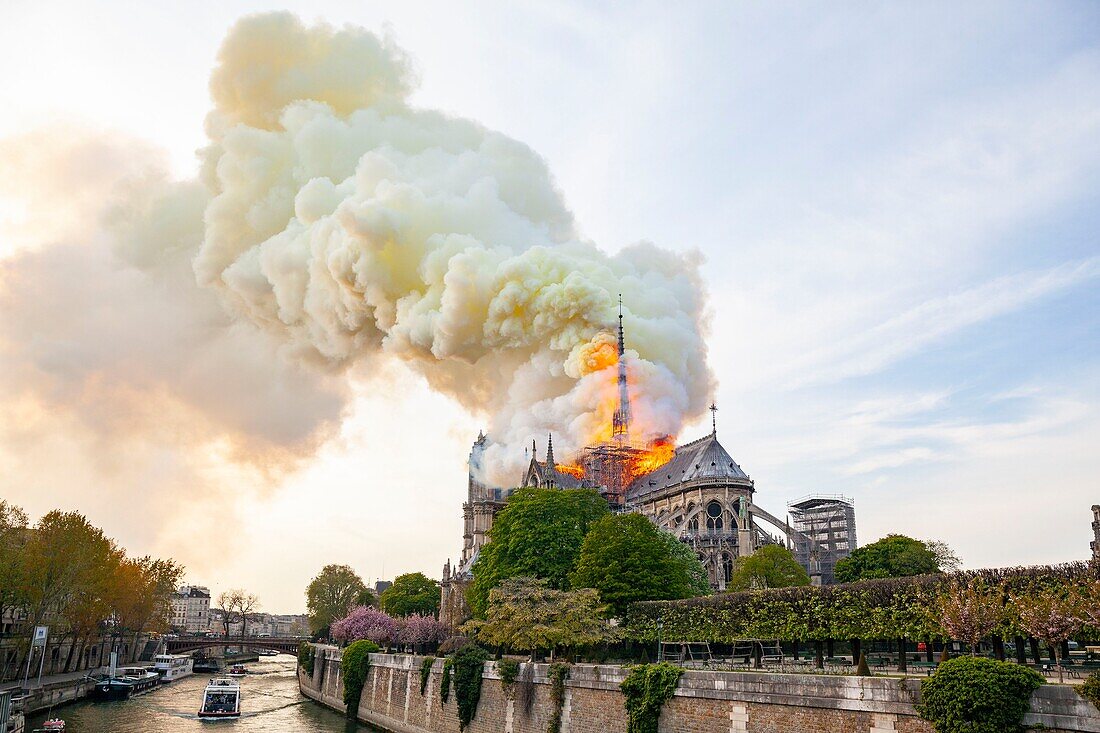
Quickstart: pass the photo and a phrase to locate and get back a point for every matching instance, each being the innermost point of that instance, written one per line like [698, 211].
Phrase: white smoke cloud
[353, 225]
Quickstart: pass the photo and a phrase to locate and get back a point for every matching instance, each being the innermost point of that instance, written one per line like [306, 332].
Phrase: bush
[426, 673]
[977, 695]
[1091, 689]
[445, 681]
[306, 656]
[354, 668]
[509, 671]
[647, 688]
[469, 663]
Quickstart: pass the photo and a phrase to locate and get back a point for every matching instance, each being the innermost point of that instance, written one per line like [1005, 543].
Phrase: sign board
[40, 633]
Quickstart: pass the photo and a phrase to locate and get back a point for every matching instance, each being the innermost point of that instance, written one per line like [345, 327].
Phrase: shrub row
[890, 608]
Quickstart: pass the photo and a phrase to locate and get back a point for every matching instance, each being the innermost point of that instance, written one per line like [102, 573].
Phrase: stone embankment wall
[705, 702]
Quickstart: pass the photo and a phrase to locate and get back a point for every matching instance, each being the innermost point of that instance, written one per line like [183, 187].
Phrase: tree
[1049, 617]
[246, 604]
[538, 534]
[366, 597]
[365, 622]
[1086, 598]
[411, 593]
[14, 535]
[894, 556]
[682, 553]
[228, 601]
[946, 558]
[969, 611]
[625, 559]
[419, 630]
[331, 595]
[771, 566]
[526, 614]
[65, 553]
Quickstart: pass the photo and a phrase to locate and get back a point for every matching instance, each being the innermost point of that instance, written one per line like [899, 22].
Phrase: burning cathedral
[696, 491]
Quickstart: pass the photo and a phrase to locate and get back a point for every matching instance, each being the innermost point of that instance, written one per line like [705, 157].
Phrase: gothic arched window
[714, 515]
[727, 567]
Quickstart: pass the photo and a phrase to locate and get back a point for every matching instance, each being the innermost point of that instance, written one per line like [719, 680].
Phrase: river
[270, 702]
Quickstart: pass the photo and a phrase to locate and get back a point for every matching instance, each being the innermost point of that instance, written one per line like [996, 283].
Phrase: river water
[270, 702]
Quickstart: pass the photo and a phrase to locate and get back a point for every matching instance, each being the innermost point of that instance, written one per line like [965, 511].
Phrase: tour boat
[221, 699]
[237, 670]
[172, 667]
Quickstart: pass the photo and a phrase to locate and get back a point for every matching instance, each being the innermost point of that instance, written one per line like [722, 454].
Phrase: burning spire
[620, 422]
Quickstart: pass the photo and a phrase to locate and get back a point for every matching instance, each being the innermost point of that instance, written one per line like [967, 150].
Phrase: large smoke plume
[353, 225]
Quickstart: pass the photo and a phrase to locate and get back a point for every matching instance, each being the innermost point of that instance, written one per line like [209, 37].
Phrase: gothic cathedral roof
[701, 460]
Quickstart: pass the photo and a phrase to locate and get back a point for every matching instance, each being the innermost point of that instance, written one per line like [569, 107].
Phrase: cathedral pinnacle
[550, 450]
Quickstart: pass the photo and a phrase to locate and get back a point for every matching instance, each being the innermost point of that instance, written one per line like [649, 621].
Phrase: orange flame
[571, 470]
[656, 454]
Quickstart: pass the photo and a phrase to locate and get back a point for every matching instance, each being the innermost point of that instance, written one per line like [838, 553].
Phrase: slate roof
[699, 460]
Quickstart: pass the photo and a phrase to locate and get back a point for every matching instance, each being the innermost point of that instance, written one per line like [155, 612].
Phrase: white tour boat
[172, 667]
[221, 699]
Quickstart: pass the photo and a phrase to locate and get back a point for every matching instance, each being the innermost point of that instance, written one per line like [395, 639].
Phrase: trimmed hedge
[977, 695]
[890, 608]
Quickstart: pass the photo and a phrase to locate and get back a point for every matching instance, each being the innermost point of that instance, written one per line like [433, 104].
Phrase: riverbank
[703, 701]
[54, 690]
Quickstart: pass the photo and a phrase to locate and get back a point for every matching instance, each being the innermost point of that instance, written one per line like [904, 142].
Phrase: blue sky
[897, 202]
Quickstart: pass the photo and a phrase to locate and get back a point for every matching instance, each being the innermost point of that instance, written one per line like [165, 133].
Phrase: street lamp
[660, 626]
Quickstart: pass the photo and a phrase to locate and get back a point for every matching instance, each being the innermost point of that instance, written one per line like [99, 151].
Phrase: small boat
[221, 699]
[52, 725]
[172, 667]
[268, 653]
[237, 670]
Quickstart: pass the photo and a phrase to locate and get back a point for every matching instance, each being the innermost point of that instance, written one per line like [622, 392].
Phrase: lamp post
[660, 626]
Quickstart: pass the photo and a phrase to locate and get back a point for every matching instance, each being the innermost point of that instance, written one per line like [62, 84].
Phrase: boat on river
[221, 699]
[126, 683]
[172, 667]
[237, 670]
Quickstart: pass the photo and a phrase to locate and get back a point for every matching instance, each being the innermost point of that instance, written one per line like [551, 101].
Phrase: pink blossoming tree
[420, 630]
[365, 622]
[1051, 618]
[969, 611]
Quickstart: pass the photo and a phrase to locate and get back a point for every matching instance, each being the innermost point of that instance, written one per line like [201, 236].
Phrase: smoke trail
[352, 224]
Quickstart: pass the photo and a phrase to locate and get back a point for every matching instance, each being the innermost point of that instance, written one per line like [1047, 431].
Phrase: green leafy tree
[538, 534]
[526, 614]
[14, 535]
[894, 556]
[366, 597]
[682, 553]
[329, 596]
[625, 559]
[772, 566]
[411, 593]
